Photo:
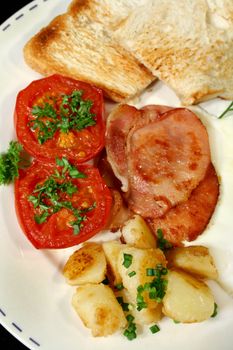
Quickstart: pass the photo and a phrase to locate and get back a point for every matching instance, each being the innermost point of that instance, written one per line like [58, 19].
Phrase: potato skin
[195, 260]
[99, 309]
[86, 265]
[187, 299]
[137, 233]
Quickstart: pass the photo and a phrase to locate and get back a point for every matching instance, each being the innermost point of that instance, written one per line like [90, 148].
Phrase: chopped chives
[119, 286]
[163, 244]
[129, 318]
[175, 321]
[150, 272]
[125, 306]
[128, 258]
[154, 329]
[132, 273]
[215, 310]
[131, 331]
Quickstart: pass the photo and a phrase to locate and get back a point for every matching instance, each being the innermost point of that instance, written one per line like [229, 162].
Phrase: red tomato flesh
[56, 231]
[79, 145]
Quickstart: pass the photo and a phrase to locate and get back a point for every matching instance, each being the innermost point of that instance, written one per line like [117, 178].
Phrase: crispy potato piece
[111, 251]
[99, 309]
[141, 260]
[195, 260]
[145, 316]
[148, 315]
[187, 299]
[86, 265]
[137, 233]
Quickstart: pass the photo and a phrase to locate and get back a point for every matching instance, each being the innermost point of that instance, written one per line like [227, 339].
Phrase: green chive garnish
[119, 286]
[131, 331]
[132, 273]
[150, 272]
[175, 321]
[154, 329]
[215, 310]
[128, 258]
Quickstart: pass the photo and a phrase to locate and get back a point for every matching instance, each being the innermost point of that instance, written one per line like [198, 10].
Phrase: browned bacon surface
[166, 160]
[161, 156]
[188, 220]
[119, 123]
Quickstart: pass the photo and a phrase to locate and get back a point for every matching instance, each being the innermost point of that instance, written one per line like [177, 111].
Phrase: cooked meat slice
[119, 123]
[189, 219]
[167, 159]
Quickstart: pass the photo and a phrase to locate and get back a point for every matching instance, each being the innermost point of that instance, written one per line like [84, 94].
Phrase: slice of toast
[188, 44]
[79, 45]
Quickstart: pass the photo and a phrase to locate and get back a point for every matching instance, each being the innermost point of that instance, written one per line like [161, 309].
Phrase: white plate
[34, 298]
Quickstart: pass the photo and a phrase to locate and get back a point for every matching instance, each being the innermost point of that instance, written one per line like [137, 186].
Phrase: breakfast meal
[143, 176]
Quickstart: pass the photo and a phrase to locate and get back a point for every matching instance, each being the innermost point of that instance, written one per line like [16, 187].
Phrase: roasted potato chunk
[144, 316]
[86, 265]
[142, 259]
[111, 251]
[187, 299]
[195, 260]
[137, 233]
[99, 309]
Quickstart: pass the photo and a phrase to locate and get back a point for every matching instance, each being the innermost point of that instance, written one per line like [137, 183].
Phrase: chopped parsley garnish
[163, 244]
[67, 167]
[156, 289]
[54, 193]
[154, 329]
[9, 163]
[228, 109]
[128, 258]
[73, 113]
[131, 331]
[215, 310]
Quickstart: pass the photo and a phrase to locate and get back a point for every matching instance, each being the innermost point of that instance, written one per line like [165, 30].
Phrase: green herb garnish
[228, 109]
[163, 244]
[67, 167]
[54, 193]
[119, 286]
[156, 289]
[9, 163]
[128, 258]
[125, 306]
[215, 310]
[74, 113]
[131, 331]
[176, 322]
[154, 329]
[141, 304]
[132, 273]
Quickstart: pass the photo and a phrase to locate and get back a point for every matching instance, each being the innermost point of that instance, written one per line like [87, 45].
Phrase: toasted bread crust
[75, 46]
